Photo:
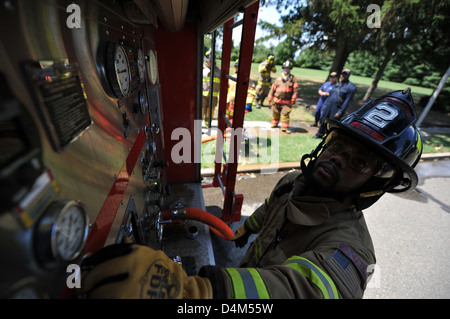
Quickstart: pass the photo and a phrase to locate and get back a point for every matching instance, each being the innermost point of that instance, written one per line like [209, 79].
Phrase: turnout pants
[282, 110]
[205, 109]
[261, 93]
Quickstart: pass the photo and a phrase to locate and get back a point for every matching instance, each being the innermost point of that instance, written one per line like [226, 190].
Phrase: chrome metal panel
[115, 166]
[86, 169]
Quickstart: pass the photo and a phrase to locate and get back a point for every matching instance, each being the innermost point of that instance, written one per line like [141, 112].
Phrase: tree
[260, 52]
[285, 51]
[385, 39]
[412, 31]
[337, 25]
[313, 58]
[412, 45]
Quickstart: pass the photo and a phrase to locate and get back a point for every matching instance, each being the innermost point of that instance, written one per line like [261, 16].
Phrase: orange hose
[211, 138]
[218, 233]
[216, 225]
[211, 220]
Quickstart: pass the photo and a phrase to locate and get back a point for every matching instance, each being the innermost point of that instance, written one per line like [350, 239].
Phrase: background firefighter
[232, 92]
[265, 69]
[206, 88]
[282, 95]
[232, 95]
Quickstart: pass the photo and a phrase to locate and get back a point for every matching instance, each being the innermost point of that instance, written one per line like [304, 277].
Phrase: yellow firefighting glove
[130, 271]
[241, 235]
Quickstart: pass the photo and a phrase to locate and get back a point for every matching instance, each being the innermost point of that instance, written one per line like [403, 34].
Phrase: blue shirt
[339, 99]
[326, 87]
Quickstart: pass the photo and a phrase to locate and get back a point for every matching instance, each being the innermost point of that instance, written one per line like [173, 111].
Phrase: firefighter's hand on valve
[241, 235]
[131, 271]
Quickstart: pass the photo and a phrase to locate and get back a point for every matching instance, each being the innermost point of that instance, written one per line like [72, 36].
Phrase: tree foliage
[412, 44]
[260, 53]
[337, 25]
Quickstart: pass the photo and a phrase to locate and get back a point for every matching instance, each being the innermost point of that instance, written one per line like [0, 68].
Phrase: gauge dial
[118, 69]
[143, 103]
[141, 65]
[122, 68]
[70, 232]
[61, 233]
[153, 67]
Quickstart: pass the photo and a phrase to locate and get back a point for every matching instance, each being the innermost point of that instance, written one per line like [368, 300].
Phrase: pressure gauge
[153, 67]
[118, 69]
[143, 103]
[141, 65]
[61, 233]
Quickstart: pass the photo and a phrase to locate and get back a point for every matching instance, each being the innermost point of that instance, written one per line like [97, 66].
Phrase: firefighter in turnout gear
[232, 92]
[206, 88]
[249, 102]
[282, 96]
[313, 241]
[251, 94]
[265, 69]
[232, 95]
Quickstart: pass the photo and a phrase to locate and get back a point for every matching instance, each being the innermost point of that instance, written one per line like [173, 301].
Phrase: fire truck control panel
[90, 93]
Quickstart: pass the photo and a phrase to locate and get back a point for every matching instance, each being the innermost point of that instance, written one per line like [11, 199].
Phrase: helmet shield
[287, 64]
[386, 126]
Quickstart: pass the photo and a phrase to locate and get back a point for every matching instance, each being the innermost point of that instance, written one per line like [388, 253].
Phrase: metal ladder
[225, 174]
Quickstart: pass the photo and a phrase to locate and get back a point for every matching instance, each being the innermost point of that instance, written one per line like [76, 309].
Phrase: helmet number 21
[381, 115]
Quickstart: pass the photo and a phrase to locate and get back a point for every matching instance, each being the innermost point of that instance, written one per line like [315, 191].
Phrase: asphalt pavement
[411, 237]
[410, 231]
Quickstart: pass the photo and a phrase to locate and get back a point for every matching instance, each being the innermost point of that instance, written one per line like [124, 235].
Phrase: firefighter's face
[343, 166]
[344, 76]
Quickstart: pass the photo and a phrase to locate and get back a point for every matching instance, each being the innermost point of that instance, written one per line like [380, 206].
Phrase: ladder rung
[221, 184]
[231, 77]
[227, 120]
[224, 156]
[236, 24]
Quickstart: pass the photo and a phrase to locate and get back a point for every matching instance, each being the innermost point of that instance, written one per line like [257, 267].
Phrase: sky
[268, 14]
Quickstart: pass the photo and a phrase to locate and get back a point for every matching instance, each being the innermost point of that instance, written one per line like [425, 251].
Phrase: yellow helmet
[208, 56]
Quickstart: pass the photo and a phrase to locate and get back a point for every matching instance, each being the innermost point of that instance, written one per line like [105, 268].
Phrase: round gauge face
[71, 231]
[143, 102]
[122, 70]
[141, 65]
[153, 67]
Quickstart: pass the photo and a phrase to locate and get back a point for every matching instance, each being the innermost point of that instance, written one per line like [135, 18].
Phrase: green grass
[321, 75]
[266, 149]
[311, 79]
[298, 114]
[437, 143]
[290, 148]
